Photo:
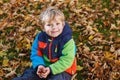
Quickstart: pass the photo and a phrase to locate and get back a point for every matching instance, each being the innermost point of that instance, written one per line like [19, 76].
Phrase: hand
[40, 71]
[46, 72]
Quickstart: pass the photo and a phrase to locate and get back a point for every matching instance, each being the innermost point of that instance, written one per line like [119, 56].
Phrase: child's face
[54, 28]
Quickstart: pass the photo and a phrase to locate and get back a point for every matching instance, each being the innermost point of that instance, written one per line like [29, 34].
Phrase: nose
[54, 26]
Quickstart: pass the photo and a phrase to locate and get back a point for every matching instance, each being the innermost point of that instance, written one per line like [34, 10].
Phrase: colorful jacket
[57, 53]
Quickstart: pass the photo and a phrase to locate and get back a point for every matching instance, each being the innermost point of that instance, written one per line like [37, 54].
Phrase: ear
[43, 30]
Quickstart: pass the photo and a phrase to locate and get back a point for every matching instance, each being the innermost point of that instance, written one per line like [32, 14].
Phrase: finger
[40, 76]
[44, 75]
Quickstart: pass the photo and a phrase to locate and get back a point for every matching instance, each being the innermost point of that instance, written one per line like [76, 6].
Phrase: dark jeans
[30, 74]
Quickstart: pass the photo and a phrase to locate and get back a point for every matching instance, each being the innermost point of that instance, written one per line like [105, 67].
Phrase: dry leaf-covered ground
[96, 30]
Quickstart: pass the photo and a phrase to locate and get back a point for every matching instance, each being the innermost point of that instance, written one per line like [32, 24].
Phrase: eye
[48, 24]
[57, 23]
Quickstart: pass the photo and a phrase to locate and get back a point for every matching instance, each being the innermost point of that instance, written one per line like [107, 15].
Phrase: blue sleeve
[36, 60]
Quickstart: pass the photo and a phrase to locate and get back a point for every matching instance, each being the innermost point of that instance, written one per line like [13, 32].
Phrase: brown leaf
[96, 58]
[117, 53]
[117, 40]
[106, 23]
[3, 24]
[113, 27]
[1, 72]
[12, 1]
[12, 73]
[86, 49]
[112, 48]
[112, 36]
[22, 54]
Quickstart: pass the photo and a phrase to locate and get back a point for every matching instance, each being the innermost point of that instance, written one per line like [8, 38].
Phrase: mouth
[54, 32]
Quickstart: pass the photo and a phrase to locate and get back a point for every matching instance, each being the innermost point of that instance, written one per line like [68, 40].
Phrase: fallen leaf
[1, 78]
[90, 37]
[1, 1]
[22, 54]
[113, 27]
[86, 49]
[116, 12]
[112, 48]
[116, 75]
[117, 53]
[12, 1]
[7, 69]
[108, 55]
[79, 68]
[1, 72]
[5, 61]
[95, 29]
[80, 44]
[1, 12]
[105, 9]
[117, 40]
[2, 53]
[12, 73]
[117, 62]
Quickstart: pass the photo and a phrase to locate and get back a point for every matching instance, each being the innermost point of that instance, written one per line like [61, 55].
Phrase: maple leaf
[109, 55]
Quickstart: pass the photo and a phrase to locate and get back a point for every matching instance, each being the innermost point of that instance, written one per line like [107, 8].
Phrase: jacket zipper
[50, 52]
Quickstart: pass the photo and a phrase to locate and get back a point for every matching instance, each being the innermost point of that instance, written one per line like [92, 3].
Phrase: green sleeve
[66, 60]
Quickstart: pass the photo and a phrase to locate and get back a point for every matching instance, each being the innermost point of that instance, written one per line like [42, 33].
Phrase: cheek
[61, 27]
[46, 28]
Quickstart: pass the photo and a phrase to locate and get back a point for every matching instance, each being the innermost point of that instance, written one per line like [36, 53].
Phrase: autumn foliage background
[96, 31]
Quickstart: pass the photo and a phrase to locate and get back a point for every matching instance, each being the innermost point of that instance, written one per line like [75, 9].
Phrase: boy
[53, 50]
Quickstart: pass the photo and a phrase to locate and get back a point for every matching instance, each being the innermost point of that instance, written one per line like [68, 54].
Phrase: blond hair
[50, 14]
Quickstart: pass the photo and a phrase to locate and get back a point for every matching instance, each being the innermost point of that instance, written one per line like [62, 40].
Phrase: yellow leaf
[95, 29]
[115, 75]
[5, 61]
[28, 46]
[94, 1]
[66, 1]
[105, 9]
[91, 37]
[79, 68]
[27, 17]
[116, 12]
[2, 53]
[26, 63]
[80, 44]
[1, 1]
[109, 55]
[35, 5]
[1, 12]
